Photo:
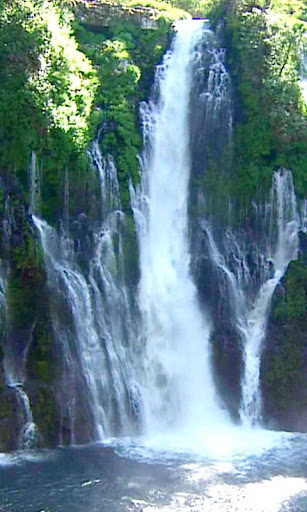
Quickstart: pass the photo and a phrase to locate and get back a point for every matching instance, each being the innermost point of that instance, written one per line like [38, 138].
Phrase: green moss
[272, 128]
[130, 249]
[124, 57]
[40, 357]
[283, 369]
[285, 375]
[46, 94]
[166, 10]
[45, 414]
[8, 420]
[291, 302]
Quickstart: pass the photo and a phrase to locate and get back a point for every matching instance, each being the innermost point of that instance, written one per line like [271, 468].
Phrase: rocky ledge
[100, 15]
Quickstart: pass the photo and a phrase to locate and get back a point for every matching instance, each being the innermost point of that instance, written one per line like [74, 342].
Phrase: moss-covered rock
[146, 15]
[124, 56]
[284, 366]
[9, 420]
[45, 412]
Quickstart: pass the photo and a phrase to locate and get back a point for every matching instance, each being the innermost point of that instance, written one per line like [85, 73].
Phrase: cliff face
[99, 16]
[59, 91]
[284, 363]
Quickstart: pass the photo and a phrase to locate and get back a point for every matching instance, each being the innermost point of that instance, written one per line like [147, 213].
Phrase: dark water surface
[126, 477]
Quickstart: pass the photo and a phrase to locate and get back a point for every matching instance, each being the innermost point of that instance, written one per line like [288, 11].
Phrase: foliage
[166, 10]
[124, 57]
[271, 128]
[292, 302]
[212, 9]
[283, 371]
[295, 8]
[47, 89]
[45, 415]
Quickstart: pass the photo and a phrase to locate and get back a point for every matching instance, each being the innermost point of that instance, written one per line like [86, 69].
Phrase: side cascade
[34, 185]
[15, 374]
[91, 319]
[303, 77]
[178, 389]
[277, 246]
[29, 434]
[3, 304]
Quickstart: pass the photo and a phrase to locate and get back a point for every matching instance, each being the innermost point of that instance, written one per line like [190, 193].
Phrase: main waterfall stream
[178, 387]
[143, 386]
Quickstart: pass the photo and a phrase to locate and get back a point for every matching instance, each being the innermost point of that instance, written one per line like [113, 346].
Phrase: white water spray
[178, 388]
[273, 257]
[303, 77]
[253, 328]
[91, 320]
[303, 215]
[34, 185]
[29, 432]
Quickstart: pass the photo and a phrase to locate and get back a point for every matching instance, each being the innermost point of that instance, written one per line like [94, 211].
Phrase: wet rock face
[9, 420]
[103, 15]
[284, 360]
[226, 346]
[284, 377]
[25, 348]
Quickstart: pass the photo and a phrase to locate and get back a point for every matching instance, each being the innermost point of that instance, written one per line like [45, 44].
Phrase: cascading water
[29, 431]
[34, 185]
[3, 305]
[284, 213]
[178, 390]
[278, 246]
[303, 216]
[91, 320]
[14, 361]
[66, 199]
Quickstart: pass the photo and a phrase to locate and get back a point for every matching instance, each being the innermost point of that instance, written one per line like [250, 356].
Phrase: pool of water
[160, 475]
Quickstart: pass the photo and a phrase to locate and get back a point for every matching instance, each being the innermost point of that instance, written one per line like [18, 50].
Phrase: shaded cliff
[284, 363]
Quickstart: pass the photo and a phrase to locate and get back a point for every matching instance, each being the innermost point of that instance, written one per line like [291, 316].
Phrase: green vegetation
[284, 378]
[167, 11]
[56, 92]
[264, 41]
[46, 94]
[292, 304]
[272, 128]
[45, 415]
[283, 369]
[124, 57]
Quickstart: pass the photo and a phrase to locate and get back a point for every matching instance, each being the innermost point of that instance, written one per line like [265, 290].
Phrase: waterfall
[29, 431]
[3, 304]
[91, 320]
[34, 185]
[284, 214]
[303, 215]
[14, 375]
[303, 77]
[178, 390]
[251, 295]
[66, 198]
[126, 368]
